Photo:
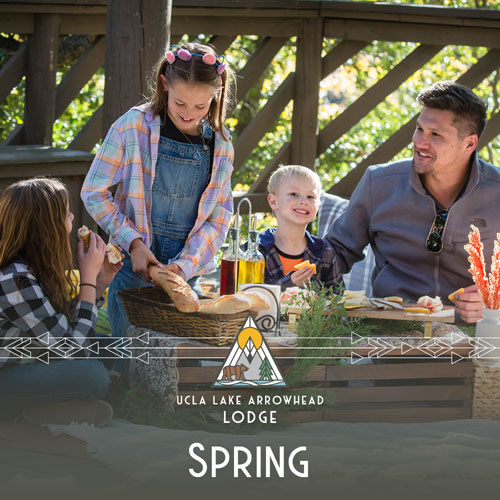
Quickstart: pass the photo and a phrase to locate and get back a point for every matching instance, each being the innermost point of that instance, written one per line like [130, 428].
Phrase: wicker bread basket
[486, 395]
[152, 308]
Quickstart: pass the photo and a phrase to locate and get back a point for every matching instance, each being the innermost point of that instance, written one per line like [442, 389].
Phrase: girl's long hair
[33, 226]
[194, 71]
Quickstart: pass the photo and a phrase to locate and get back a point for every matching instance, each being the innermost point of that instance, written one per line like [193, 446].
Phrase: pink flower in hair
[184, 55]
[169, 56]
[209, 59]
[220, 68]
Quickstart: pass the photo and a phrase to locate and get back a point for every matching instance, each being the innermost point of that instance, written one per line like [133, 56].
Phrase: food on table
[182, 295]
[227, 304]
[385, 304]
[451, 297]
[352, 294]
[434, 304]
[415, 309]
[394, 298]
[305, 263]
[259, 300]
[295, 297]
[114, 253]
[355, 299]
[84, 235]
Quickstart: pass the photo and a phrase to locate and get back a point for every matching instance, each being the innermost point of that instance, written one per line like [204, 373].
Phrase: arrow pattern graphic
[456, 348]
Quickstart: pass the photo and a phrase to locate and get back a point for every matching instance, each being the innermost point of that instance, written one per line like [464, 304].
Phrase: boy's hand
[302, 276]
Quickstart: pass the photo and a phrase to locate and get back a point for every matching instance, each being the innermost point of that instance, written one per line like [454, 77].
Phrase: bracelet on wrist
[88, 284]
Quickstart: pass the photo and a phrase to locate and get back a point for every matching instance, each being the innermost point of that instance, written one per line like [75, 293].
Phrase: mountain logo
[250, 362]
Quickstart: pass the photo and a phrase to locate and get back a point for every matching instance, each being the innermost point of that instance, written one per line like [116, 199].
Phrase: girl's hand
[175, 269]
[90, 261]
[141, 257]
[302, 276]
[106, 275]
[468, 305]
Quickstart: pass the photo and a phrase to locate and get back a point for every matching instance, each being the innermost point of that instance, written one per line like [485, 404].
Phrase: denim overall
[182, 173]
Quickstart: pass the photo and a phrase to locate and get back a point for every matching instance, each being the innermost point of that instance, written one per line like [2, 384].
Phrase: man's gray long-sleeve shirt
[391, 210]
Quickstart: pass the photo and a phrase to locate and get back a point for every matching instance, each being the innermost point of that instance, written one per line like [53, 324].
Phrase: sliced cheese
[305, 263]
[451, 297]
[353, 294]
[417, 310]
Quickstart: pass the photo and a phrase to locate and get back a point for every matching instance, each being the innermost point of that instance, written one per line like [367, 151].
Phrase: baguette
[182, 295]
[227, 304]
[259, 301]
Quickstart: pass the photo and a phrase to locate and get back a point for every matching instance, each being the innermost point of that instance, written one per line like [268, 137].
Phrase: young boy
[294, 194]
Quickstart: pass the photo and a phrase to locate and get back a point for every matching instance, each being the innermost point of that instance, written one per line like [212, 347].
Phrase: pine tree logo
[250, 362]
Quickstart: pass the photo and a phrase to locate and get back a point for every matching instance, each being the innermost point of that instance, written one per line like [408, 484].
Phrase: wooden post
[40, 101]
[305, 96]
[137, 33]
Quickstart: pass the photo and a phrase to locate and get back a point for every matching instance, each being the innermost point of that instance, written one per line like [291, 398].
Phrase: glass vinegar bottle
[227, 271]
[252, 266]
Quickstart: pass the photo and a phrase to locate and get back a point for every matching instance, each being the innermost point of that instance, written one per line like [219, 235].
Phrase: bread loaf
[182, 295]
[227, 304]
[259, 301]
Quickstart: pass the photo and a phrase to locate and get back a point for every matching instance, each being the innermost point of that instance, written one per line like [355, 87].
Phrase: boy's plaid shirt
[25, 311]
[317, 251]
[127, 159]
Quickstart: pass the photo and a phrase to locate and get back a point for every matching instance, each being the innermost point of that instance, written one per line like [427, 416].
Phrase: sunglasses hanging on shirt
[434, 241]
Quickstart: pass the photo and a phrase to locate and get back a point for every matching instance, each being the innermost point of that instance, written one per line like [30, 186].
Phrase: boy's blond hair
[288, 171]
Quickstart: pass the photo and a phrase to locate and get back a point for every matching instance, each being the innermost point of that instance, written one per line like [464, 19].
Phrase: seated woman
[36, 304]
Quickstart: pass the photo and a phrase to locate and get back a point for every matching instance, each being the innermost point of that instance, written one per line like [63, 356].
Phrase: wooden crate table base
[486, 391]
[404, 389]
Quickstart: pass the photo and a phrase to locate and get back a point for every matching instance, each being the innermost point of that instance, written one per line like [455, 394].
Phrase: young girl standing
[36, 305]
[171, 162]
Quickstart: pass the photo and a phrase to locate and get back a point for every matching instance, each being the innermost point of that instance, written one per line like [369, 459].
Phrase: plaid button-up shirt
[318, 251]
[127, 159]
[25, 312]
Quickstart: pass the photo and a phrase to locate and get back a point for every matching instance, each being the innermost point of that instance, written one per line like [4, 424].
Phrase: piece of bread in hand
[84, 235]
[114, 254]
[305, 263]
[182, 295]
[227, 304]
[259, 300]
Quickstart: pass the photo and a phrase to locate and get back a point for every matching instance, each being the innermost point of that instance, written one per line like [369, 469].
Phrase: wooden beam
[305, 94]
[40, 100]
[82, 71]
[431, 34]
[491, 132]
[136, 37]
[400, 139]
[257, 64]
[263, 121]
[72, 83]
[90, 134]
[375, 95]
[282, 157]
[238, 25]
[335, 58]
[221, 42]
[12, 72]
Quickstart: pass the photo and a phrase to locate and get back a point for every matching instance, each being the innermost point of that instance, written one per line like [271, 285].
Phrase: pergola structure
[131, 34]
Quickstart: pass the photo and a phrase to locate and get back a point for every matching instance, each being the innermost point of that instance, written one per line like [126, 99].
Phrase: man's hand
[302, 276]
[468, 305]
[141, 257]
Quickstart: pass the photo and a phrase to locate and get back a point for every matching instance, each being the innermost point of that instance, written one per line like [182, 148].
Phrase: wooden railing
[276, 22]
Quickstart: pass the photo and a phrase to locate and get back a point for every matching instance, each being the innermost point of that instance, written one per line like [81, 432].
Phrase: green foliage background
[337, 92]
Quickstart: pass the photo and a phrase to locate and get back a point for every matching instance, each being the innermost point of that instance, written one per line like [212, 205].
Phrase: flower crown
[185, 55]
